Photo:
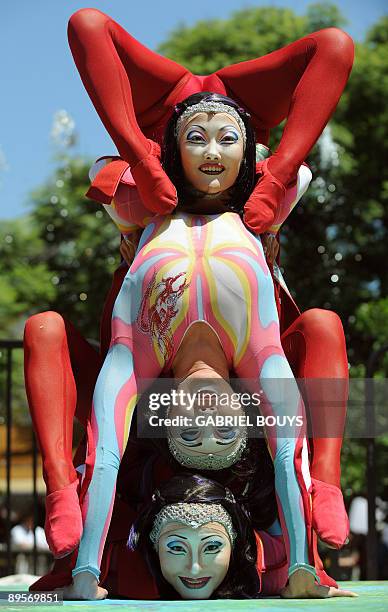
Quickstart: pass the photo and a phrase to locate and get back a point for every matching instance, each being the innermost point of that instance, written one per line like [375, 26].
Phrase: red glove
[261, 208]
[155, 188]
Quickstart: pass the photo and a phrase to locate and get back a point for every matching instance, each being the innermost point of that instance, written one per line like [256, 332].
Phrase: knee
[44, 329]
[338, 45]
[323, 325]
[87, 20]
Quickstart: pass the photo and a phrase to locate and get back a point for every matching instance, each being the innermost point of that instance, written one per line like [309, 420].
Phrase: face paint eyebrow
[212, 535]
[176, 535]
[191, 126]
[191, 445]
[200, 443]
[230, 125]
[224, 127]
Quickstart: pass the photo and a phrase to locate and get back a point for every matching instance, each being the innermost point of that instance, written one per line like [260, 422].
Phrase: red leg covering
[289, 83]
[124, 79]
[303, 82]
[315, 347]
[134, 89]
[52, 397]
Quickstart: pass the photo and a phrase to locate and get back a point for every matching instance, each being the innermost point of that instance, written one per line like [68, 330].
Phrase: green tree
[247, 34]
[61, 256]
[324, 15]
[24, 277]
[81, 245]
[378, 34]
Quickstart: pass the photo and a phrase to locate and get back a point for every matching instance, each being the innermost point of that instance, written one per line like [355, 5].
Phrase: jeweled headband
[211, 107]
[209, 461]
[192, 515]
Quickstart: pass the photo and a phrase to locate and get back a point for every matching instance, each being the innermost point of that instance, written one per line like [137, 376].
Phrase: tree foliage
[247, 34]
[324, 15]
[61, 256]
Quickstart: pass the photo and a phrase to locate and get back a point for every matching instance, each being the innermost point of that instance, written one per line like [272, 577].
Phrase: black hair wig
[241, 580]
[171, 159]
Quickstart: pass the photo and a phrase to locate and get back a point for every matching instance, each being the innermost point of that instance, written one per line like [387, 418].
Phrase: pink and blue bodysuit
[191, 268]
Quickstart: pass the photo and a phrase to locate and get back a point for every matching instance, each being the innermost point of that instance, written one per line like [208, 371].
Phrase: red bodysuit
[134, 89]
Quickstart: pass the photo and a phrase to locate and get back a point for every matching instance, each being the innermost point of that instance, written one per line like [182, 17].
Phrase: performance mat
[372, 597]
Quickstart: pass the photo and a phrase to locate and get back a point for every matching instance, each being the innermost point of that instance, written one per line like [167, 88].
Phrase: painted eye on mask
[226, 433]
[190, 435]
[213, 547]
[195, 136]
[230, 138]
[176, 548]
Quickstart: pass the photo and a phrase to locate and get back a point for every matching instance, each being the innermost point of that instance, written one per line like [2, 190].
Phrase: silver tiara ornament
[209, 461]
[192, 515]
[210, 107]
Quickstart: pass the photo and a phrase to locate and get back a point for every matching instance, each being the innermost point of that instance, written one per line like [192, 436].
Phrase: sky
[38, 77]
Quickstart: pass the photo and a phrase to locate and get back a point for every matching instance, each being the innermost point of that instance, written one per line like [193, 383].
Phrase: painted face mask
[212, 147]
[215, 436]
[194, 543]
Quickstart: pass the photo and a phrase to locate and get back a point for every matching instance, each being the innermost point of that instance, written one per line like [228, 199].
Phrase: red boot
[52, 398]
[330, 520]
[63, 525]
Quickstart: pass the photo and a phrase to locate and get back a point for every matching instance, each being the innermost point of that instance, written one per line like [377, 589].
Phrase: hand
[302, 585]
[85, 586]
[271, 247]
[127, 250]
[128, 247]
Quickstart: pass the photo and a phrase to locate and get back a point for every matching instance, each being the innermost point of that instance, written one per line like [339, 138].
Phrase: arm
[128, 247]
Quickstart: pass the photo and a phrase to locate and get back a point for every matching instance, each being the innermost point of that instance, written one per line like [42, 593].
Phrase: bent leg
[315, 346]
[127, 83]
[52, 394]
[52, 397]
[61, 368]
[301, 82]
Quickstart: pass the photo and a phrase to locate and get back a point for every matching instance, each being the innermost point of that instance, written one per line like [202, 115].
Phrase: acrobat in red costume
[126, 82]
[61, 368]
[134, 90]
